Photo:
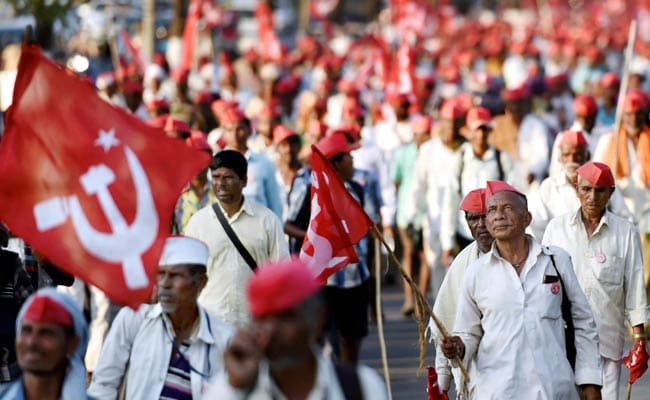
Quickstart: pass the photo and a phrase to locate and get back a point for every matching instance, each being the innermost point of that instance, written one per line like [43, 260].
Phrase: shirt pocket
[550, 300]
[609, 272]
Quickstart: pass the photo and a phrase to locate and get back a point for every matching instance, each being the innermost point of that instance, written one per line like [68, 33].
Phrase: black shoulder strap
[233, 237]
[497, 154]
[349, 381]
[568, 320]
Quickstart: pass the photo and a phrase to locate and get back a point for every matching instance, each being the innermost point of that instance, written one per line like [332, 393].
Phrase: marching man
[606, 254]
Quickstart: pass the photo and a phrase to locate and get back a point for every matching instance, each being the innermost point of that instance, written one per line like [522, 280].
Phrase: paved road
[403, 354]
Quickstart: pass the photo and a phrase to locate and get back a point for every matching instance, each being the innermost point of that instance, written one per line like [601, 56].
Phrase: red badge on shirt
[555, 288]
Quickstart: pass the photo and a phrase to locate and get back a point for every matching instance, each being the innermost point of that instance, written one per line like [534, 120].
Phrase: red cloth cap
[451, 110]
[157, 104]
[336, 144]
[635, 100]
[421, 123]
[199, 141]
[131, 87]
[46, 310]
[280, 286]
[610, 79]
[231, 116]
[573, 138]
[203, 96]
[478, 117]
[281, 133]
[177, 125]
[269, 112]
[474, 202]
[352, 109]
[398, 99]
[494, 187]
[351, 131]
[219, 106]
[596, 173]
[585, 105]
[516, 94]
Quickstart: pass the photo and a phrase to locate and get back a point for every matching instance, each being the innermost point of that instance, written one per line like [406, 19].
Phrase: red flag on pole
[433, 390]
[337, 221]
[87, 184]
[637, 361]
[136, 56]
[190, 33]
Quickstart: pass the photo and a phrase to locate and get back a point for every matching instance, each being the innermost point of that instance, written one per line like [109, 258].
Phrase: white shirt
[512, 325]
[326, 386]
[557, 196]
[609, 267]
[139, 346]
[445, 310]
[533, 146]
[634, 191]
[431, 176]
[475, 173]
[260, 231]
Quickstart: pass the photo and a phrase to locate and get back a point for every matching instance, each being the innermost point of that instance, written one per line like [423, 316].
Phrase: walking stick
[420, 298]
[629, 52]
[380, 318]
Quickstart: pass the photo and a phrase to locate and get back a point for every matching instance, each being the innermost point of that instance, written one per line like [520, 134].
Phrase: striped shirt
[177, 383]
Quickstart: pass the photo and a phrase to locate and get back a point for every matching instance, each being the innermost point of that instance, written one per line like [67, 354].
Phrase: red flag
[190, 33]
[88, 184]
[637, 361]
[337, 221]
[270, 45]
[433, 390]
[136, 56]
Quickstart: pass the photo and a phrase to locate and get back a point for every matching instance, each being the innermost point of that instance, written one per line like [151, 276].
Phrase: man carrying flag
[337, 223]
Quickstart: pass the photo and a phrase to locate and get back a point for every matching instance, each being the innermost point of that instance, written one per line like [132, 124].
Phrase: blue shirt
[262, 185]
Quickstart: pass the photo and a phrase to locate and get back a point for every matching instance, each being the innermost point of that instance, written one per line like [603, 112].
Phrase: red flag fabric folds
[433, 390]
[336, 224]
[637, 361]
[87, 184]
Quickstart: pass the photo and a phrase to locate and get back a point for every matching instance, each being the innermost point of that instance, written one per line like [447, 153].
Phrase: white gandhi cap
[184, 250]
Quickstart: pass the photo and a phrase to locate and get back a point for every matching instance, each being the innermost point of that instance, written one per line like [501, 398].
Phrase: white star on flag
[107, 139]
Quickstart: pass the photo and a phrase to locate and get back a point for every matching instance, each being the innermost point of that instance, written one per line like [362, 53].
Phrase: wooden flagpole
[629, 53]
[380, 318]
[419, 297]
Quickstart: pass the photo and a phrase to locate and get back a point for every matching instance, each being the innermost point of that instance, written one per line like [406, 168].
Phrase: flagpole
[380, 318]
[419, 296]
[629, 53]
[629, 391]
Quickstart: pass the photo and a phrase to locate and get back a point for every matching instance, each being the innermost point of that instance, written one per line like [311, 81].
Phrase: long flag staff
[380, 319]
[629, 52]
[421, 300]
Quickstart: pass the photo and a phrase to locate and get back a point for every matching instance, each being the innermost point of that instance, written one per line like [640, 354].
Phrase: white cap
[184, 250]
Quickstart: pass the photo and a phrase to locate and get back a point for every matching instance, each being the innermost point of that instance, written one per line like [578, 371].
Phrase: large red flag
[337, 221]
[88, 184]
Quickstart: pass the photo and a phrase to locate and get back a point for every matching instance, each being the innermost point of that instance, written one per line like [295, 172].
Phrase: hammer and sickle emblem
[126, 244]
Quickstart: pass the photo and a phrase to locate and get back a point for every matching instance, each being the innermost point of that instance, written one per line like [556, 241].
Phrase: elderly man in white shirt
[606, 254]
[557, 193]
[509, 317]
[473, 205]
[478, 163]
[259, 230]
[171, 349]
[431, 175]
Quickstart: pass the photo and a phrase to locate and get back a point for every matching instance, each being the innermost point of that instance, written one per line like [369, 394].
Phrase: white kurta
[260, 231]
[609, 268]
[533, 146]
[138, 348]
[557, 196]
[326, 385]
[512, 325]
[445, 309]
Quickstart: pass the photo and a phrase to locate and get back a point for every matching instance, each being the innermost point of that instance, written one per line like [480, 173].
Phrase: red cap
[635, 100]
[352, 109]
[198, 141]
[494, 187]
[610, 79]
[336, 144]
[157, 104]
[421, 123]
[219, 106]
[596, 173]
[348, 87]
[159, 121]
[203, 96]
[398, 99]
[351, 131]
[269, 112]
[573, 138]
[177, 125]
[279, 286]
[231, 116]
[131, 86]
[317, 128]
[478, 117]
[474, 202]
[46, 310]
[451, 110]
[516, 94]
[585, 105]
[281, 133]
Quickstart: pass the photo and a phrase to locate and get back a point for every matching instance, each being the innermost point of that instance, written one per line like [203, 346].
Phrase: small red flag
[433, 390]
[270, 46]
[637, 361]
[337, 221]
[190, 33]
[87, 184]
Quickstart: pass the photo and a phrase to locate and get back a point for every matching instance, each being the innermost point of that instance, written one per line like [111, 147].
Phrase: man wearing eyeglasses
[168, 350]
